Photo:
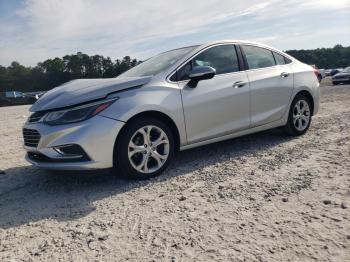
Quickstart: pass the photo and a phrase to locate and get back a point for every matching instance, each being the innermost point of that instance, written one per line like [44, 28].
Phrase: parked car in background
[10, 98]
[336, 71]
[327, 72]
[177, 100]
[35, 95]
[342, 78]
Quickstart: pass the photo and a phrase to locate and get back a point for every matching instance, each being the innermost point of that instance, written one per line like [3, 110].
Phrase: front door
[218, 106]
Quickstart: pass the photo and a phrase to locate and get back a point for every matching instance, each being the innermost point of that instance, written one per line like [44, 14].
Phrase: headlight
[77, 114]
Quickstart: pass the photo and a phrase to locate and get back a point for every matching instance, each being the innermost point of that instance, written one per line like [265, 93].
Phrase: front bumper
[95, 136]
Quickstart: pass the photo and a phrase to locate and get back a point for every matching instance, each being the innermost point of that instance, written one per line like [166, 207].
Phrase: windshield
[158, 63]
[347, 70]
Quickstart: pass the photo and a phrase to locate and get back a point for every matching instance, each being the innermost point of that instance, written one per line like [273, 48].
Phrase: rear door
[271, 84]
[216, 106]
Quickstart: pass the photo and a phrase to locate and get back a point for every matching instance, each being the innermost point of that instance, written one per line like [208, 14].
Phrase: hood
[84, 90]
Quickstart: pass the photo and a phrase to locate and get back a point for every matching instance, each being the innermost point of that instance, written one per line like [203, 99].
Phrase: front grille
[31, 137]
[35, 117]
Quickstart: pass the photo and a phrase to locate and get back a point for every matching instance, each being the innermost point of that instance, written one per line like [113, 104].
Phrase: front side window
[222, 58]
[258, 57]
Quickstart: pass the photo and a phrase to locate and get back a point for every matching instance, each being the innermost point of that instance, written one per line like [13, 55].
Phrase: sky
[35, 30]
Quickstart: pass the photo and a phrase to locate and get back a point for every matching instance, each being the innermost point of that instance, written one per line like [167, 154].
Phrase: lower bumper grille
[31, 137]
[41, 158]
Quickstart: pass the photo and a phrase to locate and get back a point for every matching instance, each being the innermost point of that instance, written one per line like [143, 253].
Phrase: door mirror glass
[200, 73]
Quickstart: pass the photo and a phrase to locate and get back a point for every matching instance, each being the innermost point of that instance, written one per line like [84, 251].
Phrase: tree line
[53, 72]
[326, 58]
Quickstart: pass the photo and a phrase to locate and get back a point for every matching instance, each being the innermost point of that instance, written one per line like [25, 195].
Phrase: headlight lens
[77, 114]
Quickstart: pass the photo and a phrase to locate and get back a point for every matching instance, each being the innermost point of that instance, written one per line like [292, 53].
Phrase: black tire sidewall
[290, 128]
[122, 165]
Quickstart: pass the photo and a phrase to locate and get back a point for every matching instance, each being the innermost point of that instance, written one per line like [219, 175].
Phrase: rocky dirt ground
[263, 197]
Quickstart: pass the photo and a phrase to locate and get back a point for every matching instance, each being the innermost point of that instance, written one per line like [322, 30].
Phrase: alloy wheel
[148, 149]
[301, 115]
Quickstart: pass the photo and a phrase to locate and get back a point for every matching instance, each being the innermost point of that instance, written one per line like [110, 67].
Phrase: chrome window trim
[228, 43]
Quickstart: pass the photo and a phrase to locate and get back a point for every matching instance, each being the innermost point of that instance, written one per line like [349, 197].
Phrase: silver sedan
[174, 101]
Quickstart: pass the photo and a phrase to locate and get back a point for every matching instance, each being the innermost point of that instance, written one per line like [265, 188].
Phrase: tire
[297, 124]
[133, 141]
[335, 83]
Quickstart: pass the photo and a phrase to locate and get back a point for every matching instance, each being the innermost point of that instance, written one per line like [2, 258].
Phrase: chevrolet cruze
[180, 99]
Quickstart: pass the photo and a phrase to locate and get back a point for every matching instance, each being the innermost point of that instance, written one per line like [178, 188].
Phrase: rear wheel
[144, 148]
[299, 118]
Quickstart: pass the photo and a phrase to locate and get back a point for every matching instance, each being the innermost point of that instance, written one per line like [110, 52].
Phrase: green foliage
[53, 72]
[326, 58]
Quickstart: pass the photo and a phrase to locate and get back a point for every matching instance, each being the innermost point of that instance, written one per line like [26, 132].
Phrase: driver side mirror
[200, 73]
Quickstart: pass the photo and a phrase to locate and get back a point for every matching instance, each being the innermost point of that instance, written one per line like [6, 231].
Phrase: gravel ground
[263, 197]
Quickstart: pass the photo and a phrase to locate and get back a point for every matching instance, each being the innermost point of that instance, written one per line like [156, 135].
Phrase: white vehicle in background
[322, 72]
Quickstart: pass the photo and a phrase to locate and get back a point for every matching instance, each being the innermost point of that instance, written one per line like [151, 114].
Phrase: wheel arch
[309, 96]
[157, 115]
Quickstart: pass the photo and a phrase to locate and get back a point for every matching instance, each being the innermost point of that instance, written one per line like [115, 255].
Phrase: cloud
[46, 28]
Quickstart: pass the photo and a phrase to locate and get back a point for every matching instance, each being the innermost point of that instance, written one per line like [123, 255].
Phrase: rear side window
[258, 57]
[279, 59]
[223, 58]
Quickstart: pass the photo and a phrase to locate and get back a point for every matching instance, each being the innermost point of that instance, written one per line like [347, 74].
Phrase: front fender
[166, 100]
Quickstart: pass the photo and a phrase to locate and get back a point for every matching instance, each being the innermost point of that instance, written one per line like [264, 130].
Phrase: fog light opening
[71, 151]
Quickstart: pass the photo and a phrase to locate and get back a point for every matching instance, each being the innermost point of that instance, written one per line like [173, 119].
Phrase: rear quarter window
[280, 60]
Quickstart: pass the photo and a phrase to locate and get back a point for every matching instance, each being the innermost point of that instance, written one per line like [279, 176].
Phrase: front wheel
[299, 118]
[144, 148]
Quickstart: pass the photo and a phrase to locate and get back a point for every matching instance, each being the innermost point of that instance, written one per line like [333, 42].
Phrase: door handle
[284, 74]
[239, 84]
